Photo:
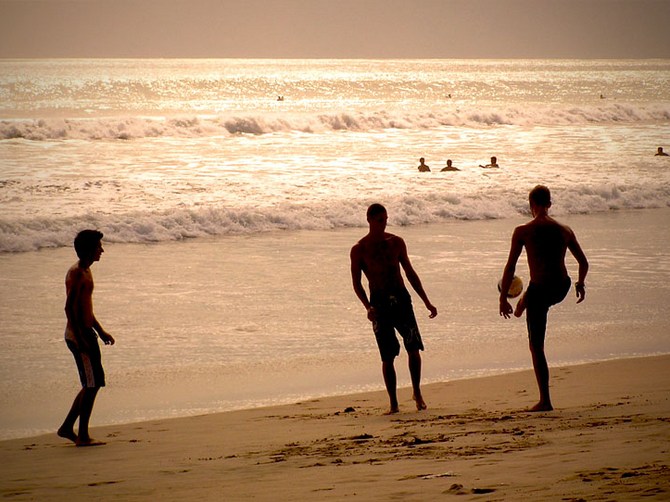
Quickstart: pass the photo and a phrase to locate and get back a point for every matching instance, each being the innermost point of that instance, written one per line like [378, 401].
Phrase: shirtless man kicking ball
[379, 255]
[546, 242]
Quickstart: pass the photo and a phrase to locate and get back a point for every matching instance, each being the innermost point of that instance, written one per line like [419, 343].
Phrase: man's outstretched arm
[414, 279]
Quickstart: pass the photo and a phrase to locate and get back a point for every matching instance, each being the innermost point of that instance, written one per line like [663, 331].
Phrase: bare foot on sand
[67, 434]
[420, 403]
[541, 407]
[89, 442]
[392, 411]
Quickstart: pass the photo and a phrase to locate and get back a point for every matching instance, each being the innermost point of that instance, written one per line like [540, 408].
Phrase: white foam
[180, 224]
[190, 126]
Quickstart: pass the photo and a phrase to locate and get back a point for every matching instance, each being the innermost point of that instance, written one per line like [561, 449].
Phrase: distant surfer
[380, 255]
[660, 152]
[546, 242]
[449, 167]
[423, 167]
[494, 163]
[280, 98]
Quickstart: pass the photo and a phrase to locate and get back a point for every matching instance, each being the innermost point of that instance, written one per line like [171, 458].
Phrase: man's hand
[580, 291]
[433, 310]
[106, 337]
[505, 308]
[372, 314]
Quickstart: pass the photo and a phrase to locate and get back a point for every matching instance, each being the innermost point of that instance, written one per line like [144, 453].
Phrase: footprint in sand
[100, 483]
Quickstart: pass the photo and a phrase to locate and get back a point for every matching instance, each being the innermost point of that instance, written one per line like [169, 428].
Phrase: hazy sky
[336, 28]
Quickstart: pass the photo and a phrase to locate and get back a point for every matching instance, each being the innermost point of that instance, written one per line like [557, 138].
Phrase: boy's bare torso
[79, 288]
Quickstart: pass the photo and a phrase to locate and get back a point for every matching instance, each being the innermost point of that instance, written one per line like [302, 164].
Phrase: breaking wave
[129, 128]
[181, 224]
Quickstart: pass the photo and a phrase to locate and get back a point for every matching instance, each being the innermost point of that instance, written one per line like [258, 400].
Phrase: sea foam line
[128, 128]
[30, 234]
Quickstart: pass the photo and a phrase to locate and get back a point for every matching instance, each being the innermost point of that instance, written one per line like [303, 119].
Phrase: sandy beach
[606, 440]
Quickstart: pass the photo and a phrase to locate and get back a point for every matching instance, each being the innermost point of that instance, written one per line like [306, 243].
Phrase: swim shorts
[539, 297]
[89, 362]
[395, 312]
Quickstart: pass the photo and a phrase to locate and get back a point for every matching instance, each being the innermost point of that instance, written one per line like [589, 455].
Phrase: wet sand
[606, 440]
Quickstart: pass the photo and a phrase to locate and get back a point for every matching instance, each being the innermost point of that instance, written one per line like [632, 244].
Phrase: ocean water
[156, 150]
[228, 216]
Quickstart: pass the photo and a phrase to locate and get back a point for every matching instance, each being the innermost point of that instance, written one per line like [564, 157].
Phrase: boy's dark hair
[86, 242]
[375, 209]
[540, 196]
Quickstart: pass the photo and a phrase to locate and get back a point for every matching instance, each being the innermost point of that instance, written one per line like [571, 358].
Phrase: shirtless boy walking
[379, 255]
[81, 335]
[546, 242]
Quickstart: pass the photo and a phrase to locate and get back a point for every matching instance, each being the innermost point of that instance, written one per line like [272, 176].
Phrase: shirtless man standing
[380, 255]
[546, 242]
[81, 335]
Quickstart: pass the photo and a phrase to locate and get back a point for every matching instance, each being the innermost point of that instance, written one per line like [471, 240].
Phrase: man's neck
[85, 264]
[540, 212]
[377, 234]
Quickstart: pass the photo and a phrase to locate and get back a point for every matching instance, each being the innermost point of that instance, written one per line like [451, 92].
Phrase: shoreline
[360, 227]
[606, 438]
[376, 387]
[188, 343]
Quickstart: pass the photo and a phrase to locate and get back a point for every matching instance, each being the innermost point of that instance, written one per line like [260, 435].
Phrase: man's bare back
[546, 242]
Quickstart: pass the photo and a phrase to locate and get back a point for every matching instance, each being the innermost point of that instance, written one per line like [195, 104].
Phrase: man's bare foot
[392, 411]
[541, 407]
[89, 442]
[420, 403]
[520, 307]
[67, 434]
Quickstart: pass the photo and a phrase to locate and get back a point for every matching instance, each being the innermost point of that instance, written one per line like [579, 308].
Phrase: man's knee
[388, 360]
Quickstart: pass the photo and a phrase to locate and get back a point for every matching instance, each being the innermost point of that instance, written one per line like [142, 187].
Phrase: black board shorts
[395, 312]
[539, 298]
[89, 364]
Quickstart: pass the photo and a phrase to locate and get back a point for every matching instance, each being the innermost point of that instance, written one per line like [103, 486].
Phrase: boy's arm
[413, 277]
[579, 255]
[104, 336]
[356, 280]
[75, 285]
[508, 273]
